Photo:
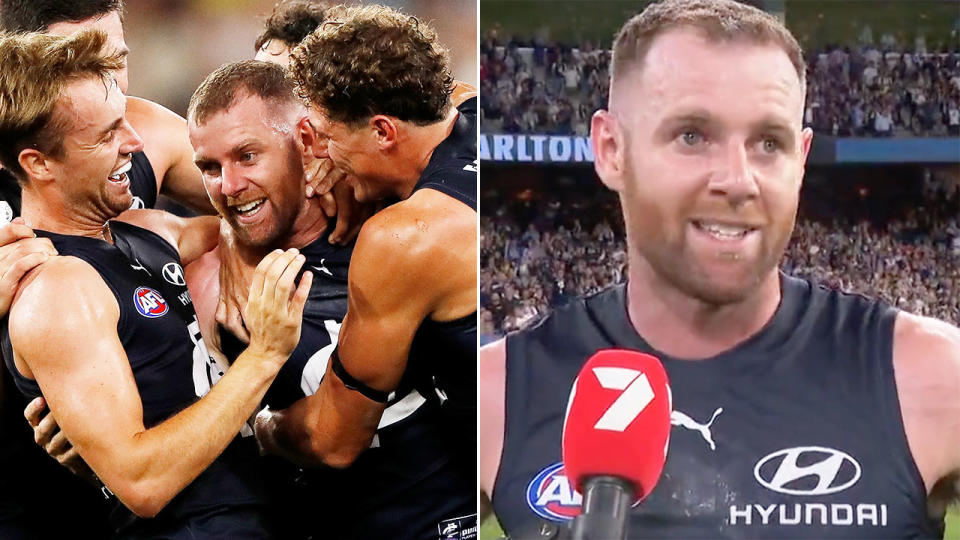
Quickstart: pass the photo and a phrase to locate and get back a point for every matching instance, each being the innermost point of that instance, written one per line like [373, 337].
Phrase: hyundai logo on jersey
[149, 302]
[807, 470]
[551, 496]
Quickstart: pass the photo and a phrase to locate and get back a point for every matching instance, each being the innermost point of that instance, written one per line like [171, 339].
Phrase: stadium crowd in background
[532, 87]
[539, 254]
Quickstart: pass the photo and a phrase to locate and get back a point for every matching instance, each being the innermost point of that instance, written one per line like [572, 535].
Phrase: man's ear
[37, 165]
[306, 136]
[385, 130]
[608, 149]
[310, 143]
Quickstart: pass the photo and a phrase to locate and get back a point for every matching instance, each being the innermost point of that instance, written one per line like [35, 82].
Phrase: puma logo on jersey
[323, 268]
[679, 418]
[137, 265]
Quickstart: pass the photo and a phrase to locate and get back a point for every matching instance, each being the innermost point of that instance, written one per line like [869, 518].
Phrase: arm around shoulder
[167, 145]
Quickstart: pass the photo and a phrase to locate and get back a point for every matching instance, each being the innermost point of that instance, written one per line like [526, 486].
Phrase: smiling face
[710, 156]
[111, 25]
[252, 168]
[353, 150]
[97, 146]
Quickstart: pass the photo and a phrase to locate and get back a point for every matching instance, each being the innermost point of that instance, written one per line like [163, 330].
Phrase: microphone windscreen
[618, 420]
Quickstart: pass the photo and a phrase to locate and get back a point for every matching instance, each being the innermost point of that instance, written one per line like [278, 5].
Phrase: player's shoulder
[491, 367]
[60, 281]
[163, 131]
[146, 115]
[582, 318]
[929, 348]
[418, 228]
[491, 354]
[164, 224]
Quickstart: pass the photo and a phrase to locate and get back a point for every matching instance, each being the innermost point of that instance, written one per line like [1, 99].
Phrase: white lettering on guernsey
[558, 491]
[206, 370]
[810, 507]
[184, 298]
[793, 520]
[637, 394]
[765, 513]
[316, 365]
[810, 513]
[744, 514]
[835, 514]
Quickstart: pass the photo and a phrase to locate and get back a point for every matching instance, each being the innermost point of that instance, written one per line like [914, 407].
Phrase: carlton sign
[535, 148]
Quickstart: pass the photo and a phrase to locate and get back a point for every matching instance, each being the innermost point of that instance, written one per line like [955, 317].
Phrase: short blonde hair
[36, 68]
[719, 20]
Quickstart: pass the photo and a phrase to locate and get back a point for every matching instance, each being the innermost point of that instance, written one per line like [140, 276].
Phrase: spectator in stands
[851, 91]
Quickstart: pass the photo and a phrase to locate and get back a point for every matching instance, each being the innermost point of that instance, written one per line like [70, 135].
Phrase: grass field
[490, 530]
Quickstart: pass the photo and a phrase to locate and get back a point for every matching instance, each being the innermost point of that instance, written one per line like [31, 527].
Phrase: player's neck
[681, 326]
[309, 225]
[423, 140]
[52, 215]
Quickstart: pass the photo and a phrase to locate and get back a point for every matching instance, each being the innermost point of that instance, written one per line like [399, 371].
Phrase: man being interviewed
[800, 412]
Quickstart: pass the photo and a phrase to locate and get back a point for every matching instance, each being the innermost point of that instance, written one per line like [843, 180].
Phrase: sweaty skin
[411, 238]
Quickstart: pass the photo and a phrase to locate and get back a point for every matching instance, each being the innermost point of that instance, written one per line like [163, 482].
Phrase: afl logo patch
[551, 496]
[173, 273]
[149, 302]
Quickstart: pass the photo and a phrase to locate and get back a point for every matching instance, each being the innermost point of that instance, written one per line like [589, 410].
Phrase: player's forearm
[318, 431]
[164, 459]
[199, 235]
[184, 184]
[285, 433]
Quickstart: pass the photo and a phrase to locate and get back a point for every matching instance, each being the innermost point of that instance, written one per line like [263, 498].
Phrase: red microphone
[615, 437]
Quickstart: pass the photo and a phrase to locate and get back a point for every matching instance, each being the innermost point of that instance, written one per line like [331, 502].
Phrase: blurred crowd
[533, 87]
[537, 255]
[174, 44]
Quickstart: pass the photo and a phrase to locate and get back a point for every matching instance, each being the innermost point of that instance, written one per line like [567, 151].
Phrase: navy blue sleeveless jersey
[407, 483]
[160, 335]
[446, 352]
[795, 433]
[28, 492]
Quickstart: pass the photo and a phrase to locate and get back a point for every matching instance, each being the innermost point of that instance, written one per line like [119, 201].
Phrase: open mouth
[249, 208]
[725, 232]
[120, 175]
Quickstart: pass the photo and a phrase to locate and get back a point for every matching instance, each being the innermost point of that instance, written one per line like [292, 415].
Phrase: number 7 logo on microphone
[637, 394]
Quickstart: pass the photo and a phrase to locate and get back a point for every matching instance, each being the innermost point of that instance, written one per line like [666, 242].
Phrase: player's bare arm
[191, 236]
[927, 370]
[491, 396]
[394, 284]
[20, 252]
[166, 144]
[85, 377]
